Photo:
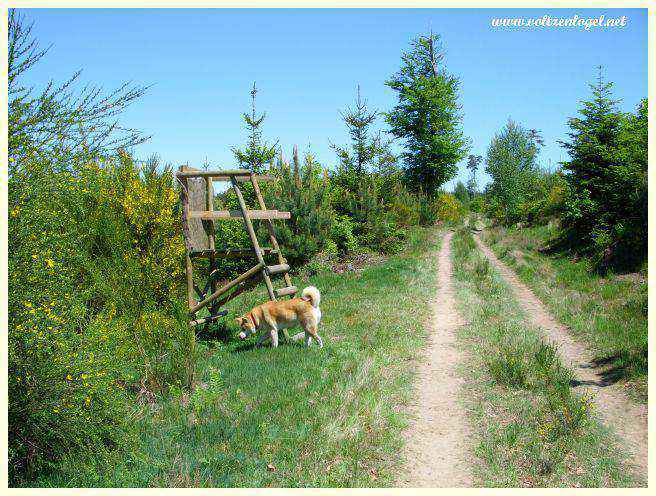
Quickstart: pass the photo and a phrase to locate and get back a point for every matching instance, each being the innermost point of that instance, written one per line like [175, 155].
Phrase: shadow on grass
[249, 346]
[619, 258]
[216, 331]
[614, 368]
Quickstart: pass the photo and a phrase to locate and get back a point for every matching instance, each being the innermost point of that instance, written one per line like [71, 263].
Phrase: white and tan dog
[272, 316]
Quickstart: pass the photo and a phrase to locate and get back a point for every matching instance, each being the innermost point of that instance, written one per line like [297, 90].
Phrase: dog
[272, 316]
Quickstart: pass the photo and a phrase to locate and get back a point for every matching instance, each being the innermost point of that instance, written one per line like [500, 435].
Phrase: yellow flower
[50, 263]
[87, 400]
[69, 377]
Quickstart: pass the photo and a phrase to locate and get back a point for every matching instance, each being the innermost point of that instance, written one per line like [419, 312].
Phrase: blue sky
[307, 64]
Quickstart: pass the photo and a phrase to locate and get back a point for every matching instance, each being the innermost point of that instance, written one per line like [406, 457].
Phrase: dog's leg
[274, 329]
[298, 336]
[312, 330]
[308, 339]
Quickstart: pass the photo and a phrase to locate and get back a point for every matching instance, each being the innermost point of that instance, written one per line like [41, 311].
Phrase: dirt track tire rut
[626, 418]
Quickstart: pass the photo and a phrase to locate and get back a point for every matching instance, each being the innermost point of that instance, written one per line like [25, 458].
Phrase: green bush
[546, 199]
[94, 306]
[477, 204]
[428, 214]
[404, 207]
[303, 191]
[508, 367]
[342, 235]
[373, 207]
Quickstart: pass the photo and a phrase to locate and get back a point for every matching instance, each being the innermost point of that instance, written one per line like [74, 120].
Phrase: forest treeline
[598, 196]
[97, 314]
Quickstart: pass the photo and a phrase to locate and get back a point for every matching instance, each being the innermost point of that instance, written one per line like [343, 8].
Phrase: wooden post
[184, 199]
[254, 242]
[209, 206]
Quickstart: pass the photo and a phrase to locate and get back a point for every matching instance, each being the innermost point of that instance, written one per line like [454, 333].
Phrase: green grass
[289, 417]
[607, 312]
[531, 428]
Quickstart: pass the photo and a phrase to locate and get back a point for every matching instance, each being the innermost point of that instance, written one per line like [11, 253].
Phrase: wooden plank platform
[236, 214]
[213, 173]
[246, 252]
[243, 179]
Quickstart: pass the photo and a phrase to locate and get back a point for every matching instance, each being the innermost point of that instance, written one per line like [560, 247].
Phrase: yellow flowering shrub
[96, 305]
[448, 208]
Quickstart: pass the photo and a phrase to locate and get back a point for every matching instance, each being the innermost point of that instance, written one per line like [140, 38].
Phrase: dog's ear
[239, 320]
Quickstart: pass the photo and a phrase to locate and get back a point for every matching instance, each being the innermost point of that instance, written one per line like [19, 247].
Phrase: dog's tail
[314, 295]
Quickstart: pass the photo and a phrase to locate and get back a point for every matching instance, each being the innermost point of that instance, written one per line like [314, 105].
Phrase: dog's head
[247, 326]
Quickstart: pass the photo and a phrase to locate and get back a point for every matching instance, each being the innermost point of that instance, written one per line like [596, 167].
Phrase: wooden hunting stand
[198, 217]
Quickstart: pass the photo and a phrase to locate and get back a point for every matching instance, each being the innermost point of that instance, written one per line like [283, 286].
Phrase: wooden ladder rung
[211, 318]
[286, 291]
[277, 269]
[236, 214]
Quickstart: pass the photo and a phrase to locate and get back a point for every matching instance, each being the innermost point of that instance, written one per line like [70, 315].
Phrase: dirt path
[625, 417]
[436, 452]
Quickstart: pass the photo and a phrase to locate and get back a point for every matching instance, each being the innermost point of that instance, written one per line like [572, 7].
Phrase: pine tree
[257, 152]
[367, 151]
[473, 162]
[427, 116]
[606, 205]
[303, 191]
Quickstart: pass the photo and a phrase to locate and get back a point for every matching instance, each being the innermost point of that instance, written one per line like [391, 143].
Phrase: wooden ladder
[198, 217]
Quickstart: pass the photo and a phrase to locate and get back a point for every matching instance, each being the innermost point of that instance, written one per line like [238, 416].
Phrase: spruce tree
[364, 166]
[367, 151]
[427, 116]
[606, 204]
[257, 152]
